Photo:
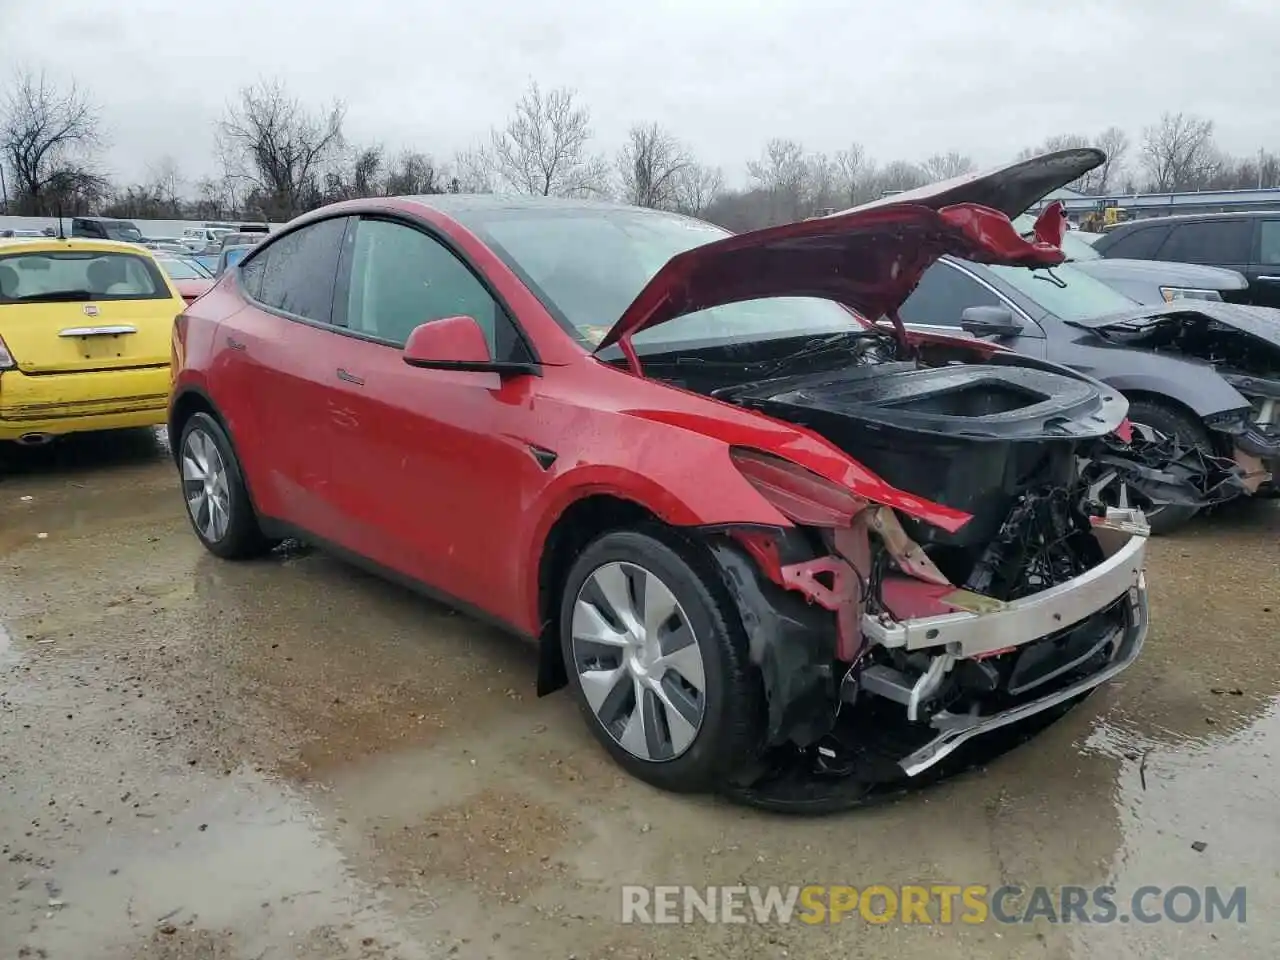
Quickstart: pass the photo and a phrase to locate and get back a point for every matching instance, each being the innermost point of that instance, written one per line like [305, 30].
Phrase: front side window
[1209, 241]
[944, 293]
[67, 275]
[296, 273]
[402, 278]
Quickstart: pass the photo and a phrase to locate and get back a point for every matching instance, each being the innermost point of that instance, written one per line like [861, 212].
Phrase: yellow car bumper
[76, 402]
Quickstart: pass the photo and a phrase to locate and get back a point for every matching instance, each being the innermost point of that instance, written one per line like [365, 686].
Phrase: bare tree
[852, 167]
[894, 177]
[696, 188]
[783, 173]
[48, 136]
[1114, 142]
[473, 171]
[650, 166]
[944, 166]
[414, 173]
[272, 141]
[1178, 153]
[543, 148]
[165, 184]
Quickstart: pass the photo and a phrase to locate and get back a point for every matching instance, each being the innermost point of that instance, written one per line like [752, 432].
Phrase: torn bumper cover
[934, 666]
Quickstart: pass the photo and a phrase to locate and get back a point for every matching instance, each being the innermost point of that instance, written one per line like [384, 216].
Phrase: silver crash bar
[1019, 622]
[956, 729]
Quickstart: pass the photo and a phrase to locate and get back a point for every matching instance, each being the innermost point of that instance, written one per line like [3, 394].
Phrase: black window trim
[259, 251]
[343, 279]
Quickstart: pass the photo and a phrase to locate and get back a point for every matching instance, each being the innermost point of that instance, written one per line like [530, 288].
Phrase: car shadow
[81, 452]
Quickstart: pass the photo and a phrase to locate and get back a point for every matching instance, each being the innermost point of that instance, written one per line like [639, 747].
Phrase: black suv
[1247, 242]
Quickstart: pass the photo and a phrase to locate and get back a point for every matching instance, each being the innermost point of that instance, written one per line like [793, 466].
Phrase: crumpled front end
[878, 663]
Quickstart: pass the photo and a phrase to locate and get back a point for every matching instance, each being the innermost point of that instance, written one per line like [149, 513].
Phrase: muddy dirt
[289, 758]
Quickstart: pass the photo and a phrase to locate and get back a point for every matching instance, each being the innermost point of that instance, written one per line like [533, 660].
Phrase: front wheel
[657, 658]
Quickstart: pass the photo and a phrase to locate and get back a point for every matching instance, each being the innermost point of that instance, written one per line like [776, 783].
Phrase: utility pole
[4, 192]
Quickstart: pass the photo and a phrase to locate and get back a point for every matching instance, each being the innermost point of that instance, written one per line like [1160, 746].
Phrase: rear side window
[1210, 241]
[943, 294]
[1269, 242]
[296, 274]
[1141, 243]
[69, 276]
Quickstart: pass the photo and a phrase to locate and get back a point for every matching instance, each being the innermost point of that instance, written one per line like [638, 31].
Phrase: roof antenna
[61, 232]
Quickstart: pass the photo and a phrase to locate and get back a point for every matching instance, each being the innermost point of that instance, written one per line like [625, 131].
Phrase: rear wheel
[218, 504]
[1154, 422]
[657, 658]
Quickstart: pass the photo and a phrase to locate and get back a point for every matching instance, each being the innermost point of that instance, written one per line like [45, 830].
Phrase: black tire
[242, 537]
[728, 737]
[1172, 422]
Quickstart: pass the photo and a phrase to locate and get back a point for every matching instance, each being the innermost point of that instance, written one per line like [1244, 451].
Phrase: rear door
[1264, 268]
[1218, 242]
[277, 374]
[73, 309]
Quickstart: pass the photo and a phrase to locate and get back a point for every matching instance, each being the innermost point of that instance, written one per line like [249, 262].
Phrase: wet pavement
[289, 758]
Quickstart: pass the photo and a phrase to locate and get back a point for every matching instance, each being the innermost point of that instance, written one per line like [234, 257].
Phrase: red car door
[432, 463]
[280, 352]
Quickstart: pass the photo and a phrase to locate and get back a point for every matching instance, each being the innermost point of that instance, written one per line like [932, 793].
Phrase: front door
[430, 463]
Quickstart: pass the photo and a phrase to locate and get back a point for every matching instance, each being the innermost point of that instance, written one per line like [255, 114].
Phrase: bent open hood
[869, 258]
[1260, 322]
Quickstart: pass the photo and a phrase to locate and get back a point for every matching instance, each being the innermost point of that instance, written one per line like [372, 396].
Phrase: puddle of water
[233, 854]
[1221, 792]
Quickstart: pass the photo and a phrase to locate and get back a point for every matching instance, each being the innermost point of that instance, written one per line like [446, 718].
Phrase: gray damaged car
[1202, 377]
[1148, 281]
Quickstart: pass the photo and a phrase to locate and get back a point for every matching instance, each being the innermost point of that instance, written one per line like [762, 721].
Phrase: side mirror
[990, 322]
[457, 343]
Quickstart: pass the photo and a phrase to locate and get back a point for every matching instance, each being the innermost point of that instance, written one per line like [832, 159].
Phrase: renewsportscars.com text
[931, 904]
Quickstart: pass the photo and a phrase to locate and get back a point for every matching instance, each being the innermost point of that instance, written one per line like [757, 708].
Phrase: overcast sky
[905, 78]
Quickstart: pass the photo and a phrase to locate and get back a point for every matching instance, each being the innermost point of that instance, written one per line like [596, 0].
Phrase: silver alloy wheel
[204, 482]
[638, 661]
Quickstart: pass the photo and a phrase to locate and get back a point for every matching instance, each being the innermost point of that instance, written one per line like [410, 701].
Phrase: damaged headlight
[1171, 294]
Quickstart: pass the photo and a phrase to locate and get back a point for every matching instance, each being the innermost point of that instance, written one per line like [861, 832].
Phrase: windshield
[72, 275]
[587, 265]
[183, 269]
[1072, 245]
[1065, 292]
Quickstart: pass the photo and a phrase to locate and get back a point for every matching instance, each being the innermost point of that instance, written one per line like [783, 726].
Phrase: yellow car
[85, 334]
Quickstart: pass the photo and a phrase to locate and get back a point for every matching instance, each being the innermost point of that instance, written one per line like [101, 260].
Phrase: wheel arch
[581, 521]
[184, 405]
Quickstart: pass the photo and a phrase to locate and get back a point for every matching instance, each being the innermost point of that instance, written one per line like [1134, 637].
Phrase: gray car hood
[1260, 322]
[1164, 274]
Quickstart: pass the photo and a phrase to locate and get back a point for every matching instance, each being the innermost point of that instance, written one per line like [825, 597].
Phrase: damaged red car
[775, 544]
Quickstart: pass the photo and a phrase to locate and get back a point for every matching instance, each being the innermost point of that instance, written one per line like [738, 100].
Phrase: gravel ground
[289, 758]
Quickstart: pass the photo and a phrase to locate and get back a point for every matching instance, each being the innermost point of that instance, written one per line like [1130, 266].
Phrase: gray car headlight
[1171, 294]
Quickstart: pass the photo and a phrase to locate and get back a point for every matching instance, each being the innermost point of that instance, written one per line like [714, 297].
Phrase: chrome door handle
[234, 344]
[350, 377]
[1270, 279]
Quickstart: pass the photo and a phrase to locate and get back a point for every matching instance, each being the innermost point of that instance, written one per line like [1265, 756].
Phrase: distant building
[1140, 206]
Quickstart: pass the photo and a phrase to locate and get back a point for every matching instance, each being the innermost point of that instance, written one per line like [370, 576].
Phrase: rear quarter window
[77, 275]
[1210, 241]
